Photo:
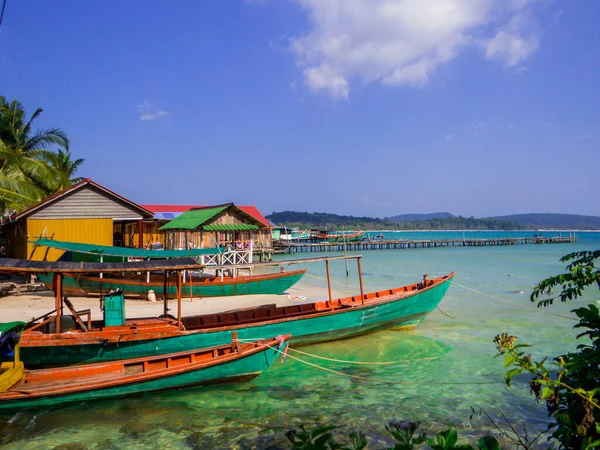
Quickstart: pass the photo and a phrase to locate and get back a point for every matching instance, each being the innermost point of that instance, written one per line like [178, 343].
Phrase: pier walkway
[296, 247]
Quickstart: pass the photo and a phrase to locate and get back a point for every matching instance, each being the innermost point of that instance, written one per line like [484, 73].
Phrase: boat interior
[81, 320]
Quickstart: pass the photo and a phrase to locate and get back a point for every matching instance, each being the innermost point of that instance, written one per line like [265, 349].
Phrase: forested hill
[324, 220]
[558, 221]
[307, 220]
[411, 217]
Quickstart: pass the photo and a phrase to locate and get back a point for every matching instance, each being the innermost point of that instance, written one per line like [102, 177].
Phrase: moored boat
[138, 285]
[347, 236]
[92, 341]
[234, 362]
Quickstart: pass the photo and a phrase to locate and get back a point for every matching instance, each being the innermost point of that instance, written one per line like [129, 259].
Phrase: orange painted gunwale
[144, 329]
[51, 382]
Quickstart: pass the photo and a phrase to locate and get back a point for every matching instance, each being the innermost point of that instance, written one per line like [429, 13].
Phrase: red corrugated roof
[251, 210]
[170, 208]
[254, 212]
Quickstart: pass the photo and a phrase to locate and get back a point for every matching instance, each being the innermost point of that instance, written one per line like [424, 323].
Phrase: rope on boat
[343, 361]
[455, 283]
[447, 315]
[512, 303]
[372, 380]
[364, 363]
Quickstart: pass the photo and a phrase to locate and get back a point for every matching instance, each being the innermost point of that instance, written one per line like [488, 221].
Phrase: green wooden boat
[206, 286]
[402, 307]
[235, 362]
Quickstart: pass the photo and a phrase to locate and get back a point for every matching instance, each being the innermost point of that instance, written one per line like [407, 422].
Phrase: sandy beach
[28, 306]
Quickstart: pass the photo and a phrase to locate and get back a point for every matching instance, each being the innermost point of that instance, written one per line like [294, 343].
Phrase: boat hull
[400, 310]
[276, 283]
[237, 369]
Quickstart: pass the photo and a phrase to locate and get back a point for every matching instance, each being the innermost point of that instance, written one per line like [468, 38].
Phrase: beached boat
[43, 343]
[232, 363]
[138, 285]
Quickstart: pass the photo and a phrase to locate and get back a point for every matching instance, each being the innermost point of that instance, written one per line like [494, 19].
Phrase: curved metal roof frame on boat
[125, 252]
[25, 266]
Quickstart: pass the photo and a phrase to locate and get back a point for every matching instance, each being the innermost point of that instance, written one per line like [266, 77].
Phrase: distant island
[436, 221]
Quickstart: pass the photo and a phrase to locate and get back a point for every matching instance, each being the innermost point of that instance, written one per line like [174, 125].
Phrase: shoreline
[29, 306]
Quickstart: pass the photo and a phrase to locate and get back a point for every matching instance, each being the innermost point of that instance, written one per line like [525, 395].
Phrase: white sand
[26, 307]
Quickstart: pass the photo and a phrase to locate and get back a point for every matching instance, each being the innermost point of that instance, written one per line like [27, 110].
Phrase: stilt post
[360, 280]
[165, 285]
[328, 279]
[179, 298]
[58, 277]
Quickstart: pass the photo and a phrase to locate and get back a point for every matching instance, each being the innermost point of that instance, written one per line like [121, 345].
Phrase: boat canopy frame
[124, 252]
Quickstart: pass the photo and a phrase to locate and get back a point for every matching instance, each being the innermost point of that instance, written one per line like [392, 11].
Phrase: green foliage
[555, 221]
[321, 438]
[305, 220]
[581, 273]
[30, 170]
[569, 385]
[404, 433]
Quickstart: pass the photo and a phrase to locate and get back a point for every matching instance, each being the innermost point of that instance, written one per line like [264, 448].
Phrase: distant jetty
[396, 244]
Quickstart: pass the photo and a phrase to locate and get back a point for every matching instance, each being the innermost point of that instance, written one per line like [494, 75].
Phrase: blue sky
[368, 107]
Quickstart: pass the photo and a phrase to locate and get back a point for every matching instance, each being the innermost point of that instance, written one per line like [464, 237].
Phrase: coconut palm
[29, 169]
[15, 130]
[65, 164]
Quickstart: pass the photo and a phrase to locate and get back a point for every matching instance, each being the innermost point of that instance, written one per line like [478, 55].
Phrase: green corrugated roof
[125, 252]
[192, 219]
[231, 227]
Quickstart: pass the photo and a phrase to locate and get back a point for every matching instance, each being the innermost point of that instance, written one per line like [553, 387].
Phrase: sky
[354, 107]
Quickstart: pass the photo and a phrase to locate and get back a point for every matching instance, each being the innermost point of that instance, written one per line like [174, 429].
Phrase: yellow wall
[88, 231]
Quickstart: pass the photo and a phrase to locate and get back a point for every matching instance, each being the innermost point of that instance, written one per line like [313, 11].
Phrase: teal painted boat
[402, 307]
[235, 362]
[206, 286]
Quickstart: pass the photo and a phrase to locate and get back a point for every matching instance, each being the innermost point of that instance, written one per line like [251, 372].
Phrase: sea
[442, 372]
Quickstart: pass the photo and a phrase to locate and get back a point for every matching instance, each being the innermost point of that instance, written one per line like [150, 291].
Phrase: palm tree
[29, 170]
[65, 164]
[16, 131]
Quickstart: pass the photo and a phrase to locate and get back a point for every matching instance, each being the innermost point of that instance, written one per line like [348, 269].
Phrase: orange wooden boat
[235, 362]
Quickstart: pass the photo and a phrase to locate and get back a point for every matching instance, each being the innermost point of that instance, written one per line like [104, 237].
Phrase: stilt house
[224, 225]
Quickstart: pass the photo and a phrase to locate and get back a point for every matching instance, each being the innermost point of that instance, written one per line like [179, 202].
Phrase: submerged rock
[71, 446]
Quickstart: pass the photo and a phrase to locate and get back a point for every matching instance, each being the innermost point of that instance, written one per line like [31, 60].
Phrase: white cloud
[402, 42]
[513, 43]
[148, 112]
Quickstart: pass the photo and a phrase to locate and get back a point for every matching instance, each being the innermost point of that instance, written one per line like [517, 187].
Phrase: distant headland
[437, 221]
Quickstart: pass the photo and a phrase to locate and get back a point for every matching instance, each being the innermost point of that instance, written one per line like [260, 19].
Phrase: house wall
[87, 202]
[87, 231]
[150, 236]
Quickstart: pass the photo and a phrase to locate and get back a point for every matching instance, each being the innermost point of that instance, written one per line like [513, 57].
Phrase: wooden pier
[292, 247]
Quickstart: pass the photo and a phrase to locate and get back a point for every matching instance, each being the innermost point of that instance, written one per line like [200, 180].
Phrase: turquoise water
[443, 368]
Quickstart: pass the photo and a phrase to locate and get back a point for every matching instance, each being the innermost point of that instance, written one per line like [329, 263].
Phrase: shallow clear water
[445, 366]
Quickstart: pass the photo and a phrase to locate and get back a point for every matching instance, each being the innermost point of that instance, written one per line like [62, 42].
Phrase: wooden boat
[232, 363]
[138, 285]
[352, 236]
[90, 341]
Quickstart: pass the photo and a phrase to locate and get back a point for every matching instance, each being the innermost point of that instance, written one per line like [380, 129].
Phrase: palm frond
[43, 139]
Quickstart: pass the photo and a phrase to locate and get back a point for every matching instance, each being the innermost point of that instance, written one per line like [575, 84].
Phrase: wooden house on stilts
[227, 226]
